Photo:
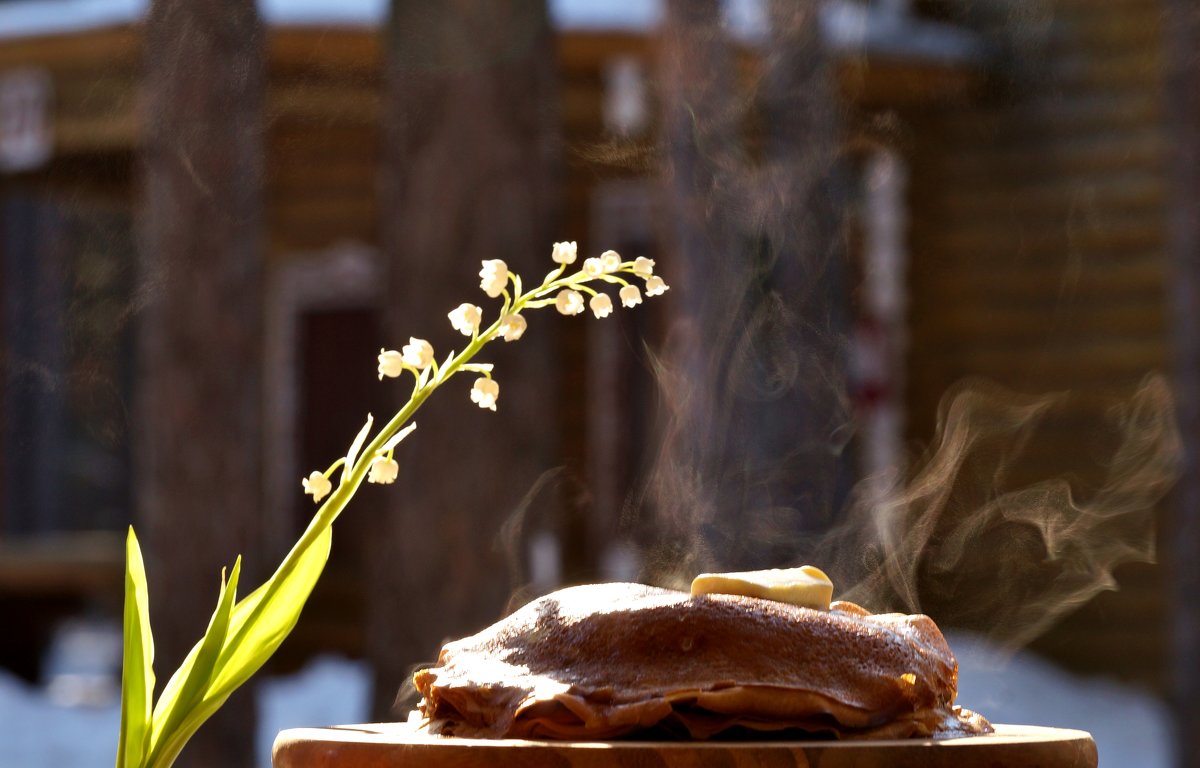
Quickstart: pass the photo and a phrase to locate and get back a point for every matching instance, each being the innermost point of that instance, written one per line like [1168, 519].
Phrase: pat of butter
[805, 586]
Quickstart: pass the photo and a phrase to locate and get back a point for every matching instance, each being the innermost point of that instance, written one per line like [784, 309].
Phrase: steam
[975, 537]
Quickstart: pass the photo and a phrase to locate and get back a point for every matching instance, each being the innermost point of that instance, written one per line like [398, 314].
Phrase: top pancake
[608, 659]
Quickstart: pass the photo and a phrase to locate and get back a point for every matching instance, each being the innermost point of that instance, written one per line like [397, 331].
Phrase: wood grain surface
[397, 744]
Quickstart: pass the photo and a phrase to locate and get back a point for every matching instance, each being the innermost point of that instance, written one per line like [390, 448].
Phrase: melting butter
[806, 586]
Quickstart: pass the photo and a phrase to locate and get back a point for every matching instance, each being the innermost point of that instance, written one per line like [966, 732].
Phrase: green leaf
[137, 672]
[256, 627]
[266, 616]
[176, 716]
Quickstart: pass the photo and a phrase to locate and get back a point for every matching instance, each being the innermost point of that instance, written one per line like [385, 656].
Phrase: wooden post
[756, 456]
[700, 133]
[468, 174]
[198, 424]
[806, 267]
[1183, 104]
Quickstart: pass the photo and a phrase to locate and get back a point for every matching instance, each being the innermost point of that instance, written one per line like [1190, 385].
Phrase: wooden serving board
[398, 745]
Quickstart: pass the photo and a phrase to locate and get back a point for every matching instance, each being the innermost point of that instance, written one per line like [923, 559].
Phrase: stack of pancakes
[608, 660]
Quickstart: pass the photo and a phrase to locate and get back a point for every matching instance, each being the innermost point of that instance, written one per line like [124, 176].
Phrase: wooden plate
[398, 745]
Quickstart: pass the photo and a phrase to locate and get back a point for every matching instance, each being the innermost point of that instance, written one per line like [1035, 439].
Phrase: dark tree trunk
[469, 174]
[756, 458]
[806, 317]
[199, 384]
[694, 480]
[1183, 101]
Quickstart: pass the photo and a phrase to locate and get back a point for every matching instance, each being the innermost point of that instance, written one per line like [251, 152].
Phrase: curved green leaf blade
[187, 686]
[257, 625]
[137, 669]
[263, 619]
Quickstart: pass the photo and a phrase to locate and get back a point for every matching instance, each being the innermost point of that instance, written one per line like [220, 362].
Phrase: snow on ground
[35, 732]
[1130, 727]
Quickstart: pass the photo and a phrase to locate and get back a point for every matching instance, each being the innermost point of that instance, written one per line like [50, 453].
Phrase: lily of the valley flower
[601, 305]
[643, 267]
[655, 286]
[568, 302]
[391, 363]
[493, 277]
[610, 261]
[511, 327]
[383, 471]
[466, 318]
[565, 252]
[152, 733]
[485, 393]
[419, 353]
[317, 485]
[630, 296]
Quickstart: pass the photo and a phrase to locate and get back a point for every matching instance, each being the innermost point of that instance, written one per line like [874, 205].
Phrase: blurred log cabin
[1009, 217]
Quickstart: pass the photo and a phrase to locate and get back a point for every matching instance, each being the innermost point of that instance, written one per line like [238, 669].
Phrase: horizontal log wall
[1038, 256]
[323, 140]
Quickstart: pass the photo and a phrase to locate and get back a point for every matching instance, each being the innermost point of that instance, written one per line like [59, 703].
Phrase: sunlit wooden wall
[1038, 254]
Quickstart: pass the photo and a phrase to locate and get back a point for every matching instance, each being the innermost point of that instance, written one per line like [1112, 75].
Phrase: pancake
[603, 661]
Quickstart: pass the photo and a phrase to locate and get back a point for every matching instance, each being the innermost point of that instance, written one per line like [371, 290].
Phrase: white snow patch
[1130, 727]
[329, 691]
[37, 733]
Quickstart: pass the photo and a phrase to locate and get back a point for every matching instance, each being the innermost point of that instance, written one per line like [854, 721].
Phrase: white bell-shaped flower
[317, 486]
[601, 305]
[512, 327]
[391, 363]
[655, 286]
[593, 267]
[630, 296]
[466, 318]
[610, 261]
[568, 302]
[565, 252]
[643, 267]
[493, 277]
[485, 393]
[383, 471]
[418, 353]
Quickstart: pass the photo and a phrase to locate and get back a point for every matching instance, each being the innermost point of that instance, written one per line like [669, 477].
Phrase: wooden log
[117, 46]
